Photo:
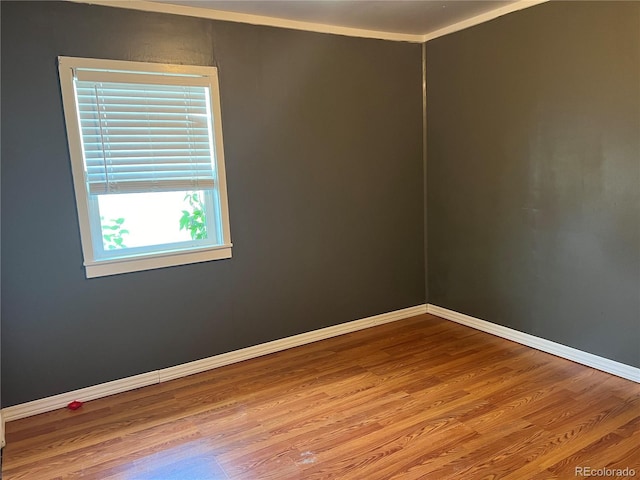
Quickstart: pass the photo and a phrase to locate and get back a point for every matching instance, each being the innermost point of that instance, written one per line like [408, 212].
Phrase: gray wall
[534, 174]
[323, 155]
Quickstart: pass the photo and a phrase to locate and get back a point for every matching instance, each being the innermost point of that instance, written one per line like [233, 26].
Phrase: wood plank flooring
[422, 398]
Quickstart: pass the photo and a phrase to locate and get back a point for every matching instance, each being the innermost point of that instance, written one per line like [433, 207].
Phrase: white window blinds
[145, 137]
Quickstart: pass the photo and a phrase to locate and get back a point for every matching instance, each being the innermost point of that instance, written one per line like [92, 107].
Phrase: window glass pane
[147, 219]
[145, 142]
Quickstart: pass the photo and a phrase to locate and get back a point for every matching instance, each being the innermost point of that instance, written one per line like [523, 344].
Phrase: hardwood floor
[422, 398]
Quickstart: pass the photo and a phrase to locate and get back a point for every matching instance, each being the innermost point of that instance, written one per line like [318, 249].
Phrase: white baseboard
[588, 359]
[130, 383]
[284, 343]
[84, 394]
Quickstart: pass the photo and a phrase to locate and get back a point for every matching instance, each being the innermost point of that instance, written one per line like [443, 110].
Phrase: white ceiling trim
[147, 6]
[482, 18]
[252, 19]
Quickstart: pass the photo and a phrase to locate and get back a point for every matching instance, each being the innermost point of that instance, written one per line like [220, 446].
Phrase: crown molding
[147, 6]
[211, 14]
[482, 18]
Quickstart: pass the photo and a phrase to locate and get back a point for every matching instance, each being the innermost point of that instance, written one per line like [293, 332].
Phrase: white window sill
[160, 260]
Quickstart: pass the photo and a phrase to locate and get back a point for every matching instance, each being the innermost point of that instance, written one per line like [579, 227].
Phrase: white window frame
[175, 254]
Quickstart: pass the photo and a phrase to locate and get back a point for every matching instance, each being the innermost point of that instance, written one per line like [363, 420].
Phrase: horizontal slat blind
[145, 137]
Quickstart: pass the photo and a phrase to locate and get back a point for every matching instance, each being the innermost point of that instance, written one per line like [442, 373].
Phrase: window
[145, 142]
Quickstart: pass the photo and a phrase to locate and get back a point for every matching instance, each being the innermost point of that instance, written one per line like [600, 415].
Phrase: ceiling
[401, 17]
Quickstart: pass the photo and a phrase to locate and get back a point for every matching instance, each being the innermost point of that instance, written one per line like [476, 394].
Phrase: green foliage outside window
[194, 220]
[112, 233]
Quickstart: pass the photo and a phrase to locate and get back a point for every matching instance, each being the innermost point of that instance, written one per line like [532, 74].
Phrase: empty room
[337, 239]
